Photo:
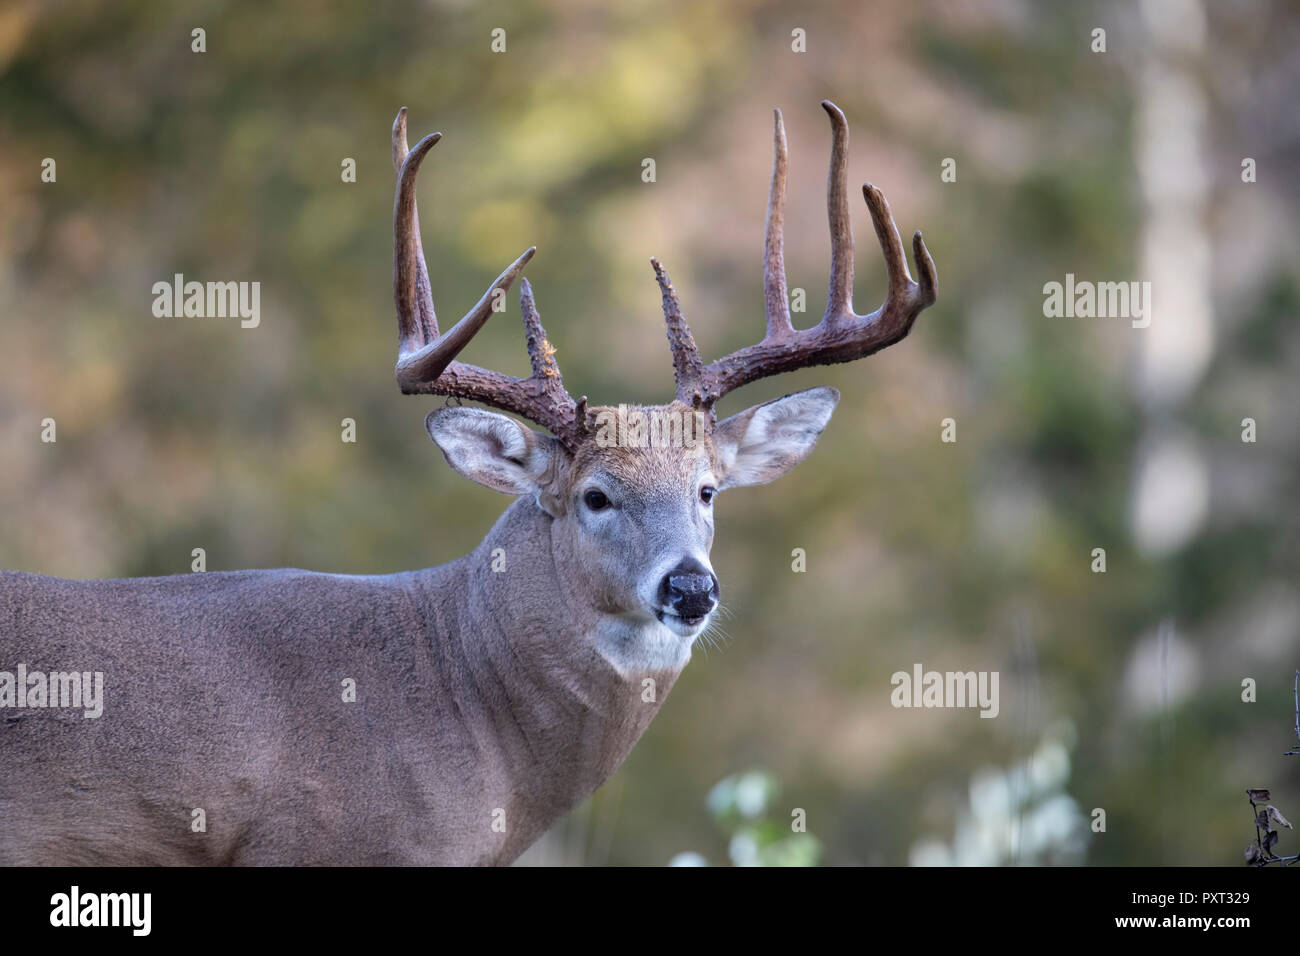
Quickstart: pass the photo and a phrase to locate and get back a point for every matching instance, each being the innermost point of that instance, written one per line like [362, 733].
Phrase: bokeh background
[1119, 690]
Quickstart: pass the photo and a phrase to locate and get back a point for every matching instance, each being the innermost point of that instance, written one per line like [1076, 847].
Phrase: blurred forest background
[1120, 690]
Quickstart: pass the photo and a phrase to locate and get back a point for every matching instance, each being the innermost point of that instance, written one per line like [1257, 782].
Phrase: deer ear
[496, 451]
[762, 443]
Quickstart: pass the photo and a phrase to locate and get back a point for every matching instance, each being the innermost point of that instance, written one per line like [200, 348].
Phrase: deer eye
[707, 493]
[595, 500]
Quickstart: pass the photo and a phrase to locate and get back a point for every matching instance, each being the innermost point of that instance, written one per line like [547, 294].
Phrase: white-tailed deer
[441, 716]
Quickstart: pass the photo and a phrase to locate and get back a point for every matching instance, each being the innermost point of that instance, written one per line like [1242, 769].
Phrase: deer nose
[690, 590]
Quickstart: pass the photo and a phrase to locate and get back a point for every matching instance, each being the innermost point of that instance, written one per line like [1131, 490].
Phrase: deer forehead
[654, 448]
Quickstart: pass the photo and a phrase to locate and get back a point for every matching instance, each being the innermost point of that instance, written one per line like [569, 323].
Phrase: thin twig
[1266, 855]
[1295, 692]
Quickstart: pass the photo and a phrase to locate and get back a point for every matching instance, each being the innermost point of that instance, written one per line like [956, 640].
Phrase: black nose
[690, 589]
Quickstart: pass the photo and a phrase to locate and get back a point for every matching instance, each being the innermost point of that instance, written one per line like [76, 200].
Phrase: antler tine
[693, 384]
[774, 289]
[839, 299]
[901, 286]
[541, 353]
[426, 361]
[687, 365]
[560, 409]
[417, 321]
[842, 335]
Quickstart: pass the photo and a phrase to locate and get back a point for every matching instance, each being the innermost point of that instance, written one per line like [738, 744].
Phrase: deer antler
[426, 360]
[842, 335]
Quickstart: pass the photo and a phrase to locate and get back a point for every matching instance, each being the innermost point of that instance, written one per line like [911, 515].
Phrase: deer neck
[556, 709]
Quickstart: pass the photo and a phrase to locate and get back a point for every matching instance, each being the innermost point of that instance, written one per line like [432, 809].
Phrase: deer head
[630, 491]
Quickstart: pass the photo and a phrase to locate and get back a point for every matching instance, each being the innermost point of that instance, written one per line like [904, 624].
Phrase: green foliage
[744, 808]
